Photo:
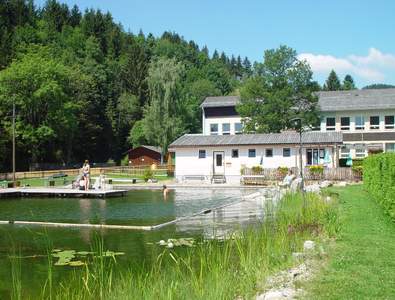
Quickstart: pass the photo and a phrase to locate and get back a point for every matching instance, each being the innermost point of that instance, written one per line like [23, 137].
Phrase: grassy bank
[361, 264]
[237, 266]
[40, 182]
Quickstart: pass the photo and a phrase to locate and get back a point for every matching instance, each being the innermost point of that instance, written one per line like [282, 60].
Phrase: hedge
[379, 179]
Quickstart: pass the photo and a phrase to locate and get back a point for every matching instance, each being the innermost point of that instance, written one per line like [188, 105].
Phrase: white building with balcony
[353, 123]
[365, 117]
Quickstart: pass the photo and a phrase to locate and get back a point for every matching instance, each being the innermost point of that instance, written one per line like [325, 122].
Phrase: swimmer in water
[165, 191]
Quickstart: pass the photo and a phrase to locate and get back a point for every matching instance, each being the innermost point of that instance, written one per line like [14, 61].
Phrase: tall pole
[301, 158]
[13, 144]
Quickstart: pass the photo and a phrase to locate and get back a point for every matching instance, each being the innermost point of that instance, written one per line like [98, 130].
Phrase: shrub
[256, 170]
[110, 162]
[282, 171]
[379, 179]
[316, 170]
[357, 170]
[125, 160]
[148, 174]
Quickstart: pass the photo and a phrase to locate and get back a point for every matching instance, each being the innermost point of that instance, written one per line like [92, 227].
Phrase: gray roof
[220, 101]
[312, 137]
[153, 148]
[374, 99]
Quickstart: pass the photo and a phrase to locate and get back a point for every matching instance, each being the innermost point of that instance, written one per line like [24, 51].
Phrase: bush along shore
[379, 180]
[236, 267]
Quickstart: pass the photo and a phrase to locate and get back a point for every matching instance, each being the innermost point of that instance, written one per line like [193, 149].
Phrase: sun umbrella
[327, 158]
[349, 160]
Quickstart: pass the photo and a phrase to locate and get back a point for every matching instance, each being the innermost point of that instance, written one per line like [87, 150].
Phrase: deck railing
[160, 170]
[332, 174]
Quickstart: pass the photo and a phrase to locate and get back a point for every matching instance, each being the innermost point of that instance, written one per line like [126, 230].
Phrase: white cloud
[371, 67]
[375, 58]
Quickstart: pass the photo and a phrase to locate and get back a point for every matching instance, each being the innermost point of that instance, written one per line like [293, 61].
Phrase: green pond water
[145, 207]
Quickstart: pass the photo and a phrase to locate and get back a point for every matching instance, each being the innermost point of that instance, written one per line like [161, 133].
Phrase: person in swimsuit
[165, 191]
[86, 169]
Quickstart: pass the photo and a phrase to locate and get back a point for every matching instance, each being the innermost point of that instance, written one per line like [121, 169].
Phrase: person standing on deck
[86, 169]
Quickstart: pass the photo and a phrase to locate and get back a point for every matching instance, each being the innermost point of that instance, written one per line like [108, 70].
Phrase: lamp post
[300, 130]
[13, 144]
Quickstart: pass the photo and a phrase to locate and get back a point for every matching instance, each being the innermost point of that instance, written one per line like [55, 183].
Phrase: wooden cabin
[145, 155]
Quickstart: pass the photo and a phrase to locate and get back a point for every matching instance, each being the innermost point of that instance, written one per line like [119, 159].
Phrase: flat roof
[291, 138]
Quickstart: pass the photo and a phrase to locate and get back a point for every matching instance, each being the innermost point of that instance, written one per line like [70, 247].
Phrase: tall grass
[227, 269]
[16, 273]
[216, 269]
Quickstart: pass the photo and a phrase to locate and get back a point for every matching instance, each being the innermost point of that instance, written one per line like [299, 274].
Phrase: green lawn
[37, 182]
[362, 262]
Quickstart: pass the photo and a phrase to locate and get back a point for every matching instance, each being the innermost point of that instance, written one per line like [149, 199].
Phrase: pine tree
[205, 50]
[215, 55]
[75, 16]
[348, 83]
[333, 82]
[223, 58]
[247, 67]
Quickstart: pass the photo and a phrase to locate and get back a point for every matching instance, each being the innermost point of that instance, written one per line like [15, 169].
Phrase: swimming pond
[140, 207]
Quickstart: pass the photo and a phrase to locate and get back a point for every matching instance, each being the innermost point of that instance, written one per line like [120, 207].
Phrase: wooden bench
[194, 177]
[253, 179]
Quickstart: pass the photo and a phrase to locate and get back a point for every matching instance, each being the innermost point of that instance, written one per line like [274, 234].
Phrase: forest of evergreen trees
[83, 86]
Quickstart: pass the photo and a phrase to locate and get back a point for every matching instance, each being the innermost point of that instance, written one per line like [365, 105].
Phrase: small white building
[209, 156]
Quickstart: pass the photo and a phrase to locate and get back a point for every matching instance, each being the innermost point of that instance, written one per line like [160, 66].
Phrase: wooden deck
[59, 192]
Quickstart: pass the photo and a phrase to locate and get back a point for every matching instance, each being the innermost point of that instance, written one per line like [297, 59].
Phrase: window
[286, 152]
[345, 123]
[330, 124]
[251, 153]
[213, 129]
[238, 128]
[202, 153]
[226, 128]
[389, 122]
[235, 153]
[312, 156]
[390, 147]
[374, 122]
[359, 152]
[359, 123]
[344, 153]
[269, 152]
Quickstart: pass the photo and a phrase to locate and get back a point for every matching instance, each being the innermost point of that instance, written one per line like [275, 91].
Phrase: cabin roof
[291, 138]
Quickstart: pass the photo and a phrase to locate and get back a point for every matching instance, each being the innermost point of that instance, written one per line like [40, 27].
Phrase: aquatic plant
[216, 269]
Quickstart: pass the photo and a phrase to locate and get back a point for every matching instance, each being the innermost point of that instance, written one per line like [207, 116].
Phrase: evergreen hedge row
[379, 179]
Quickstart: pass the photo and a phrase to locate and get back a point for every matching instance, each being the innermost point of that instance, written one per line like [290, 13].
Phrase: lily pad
[65, 257]
[76, 263]
[84, 253]
[111, 253]
[188, 242]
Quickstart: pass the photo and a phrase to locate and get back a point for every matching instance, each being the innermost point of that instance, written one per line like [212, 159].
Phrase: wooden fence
[162, 170]
[332, 174]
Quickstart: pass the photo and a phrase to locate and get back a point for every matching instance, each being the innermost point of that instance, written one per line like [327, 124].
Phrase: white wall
[188, 162]
[220, 121]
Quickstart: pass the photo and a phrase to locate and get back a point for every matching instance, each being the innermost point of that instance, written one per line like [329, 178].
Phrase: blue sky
[355, 37]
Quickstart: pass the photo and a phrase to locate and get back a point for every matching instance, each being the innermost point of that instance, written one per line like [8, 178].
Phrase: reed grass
[216, 269]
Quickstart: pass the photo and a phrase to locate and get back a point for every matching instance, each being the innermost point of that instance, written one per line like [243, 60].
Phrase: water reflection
[219, 222]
